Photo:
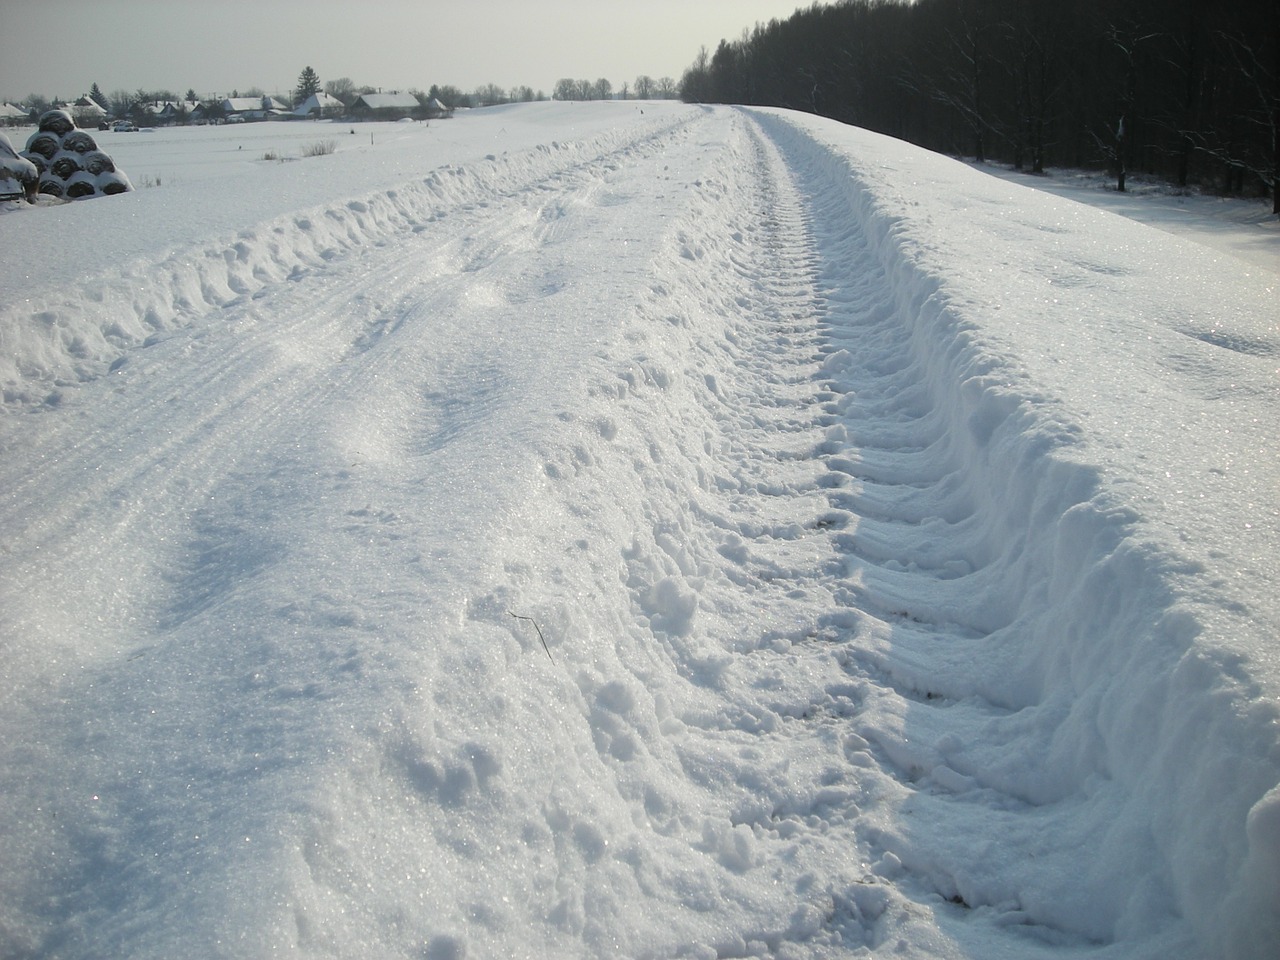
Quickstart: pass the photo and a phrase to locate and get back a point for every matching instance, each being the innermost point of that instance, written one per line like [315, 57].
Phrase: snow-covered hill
[573, 530]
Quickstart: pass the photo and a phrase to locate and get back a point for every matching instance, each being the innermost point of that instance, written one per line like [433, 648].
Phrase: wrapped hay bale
[57, 122]
[52, 185]
[44, 143]
[78, 141]
[113, 182]
[81, 186]
[96, 162]
[65, 163]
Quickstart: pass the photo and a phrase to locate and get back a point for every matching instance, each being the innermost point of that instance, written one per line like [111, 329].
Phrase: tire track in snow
[739, 564]
[918, 564]
[930, 455]
[895, 529]
[835, 473]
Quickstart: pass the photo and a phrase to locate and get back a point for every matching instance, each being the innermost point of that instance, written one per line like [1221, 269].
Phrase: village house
[11, 114]
[319, 105]
[86, 111]
[253, 108]
[163, 113]
[386, 106]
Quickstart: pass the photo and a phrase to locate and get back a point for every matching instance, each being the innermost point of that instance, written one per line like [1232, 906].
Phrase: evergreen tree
[308, 83]
[98, 97]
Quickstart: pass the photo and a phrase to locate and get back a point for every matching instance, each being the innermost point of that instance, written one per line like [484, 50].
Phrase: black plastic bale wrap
[81, 186]
[52, 186]
[96, 162]
[65, 163]
[112, 183]
[56, 121]
[79, 141]
[44, 143]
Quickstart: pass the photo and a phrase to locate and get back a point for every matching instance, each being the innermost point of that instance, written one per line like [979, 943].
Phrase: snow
[14, 169]
[1246, 230]
[903, 540]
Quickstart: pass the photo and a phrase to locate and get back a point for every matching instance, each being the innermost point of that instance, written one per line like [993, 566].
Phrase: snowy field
[576, 531]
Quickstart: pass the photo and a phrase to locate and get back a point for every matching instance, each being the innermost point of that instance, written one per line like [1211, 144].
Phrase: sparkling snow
[903, 540]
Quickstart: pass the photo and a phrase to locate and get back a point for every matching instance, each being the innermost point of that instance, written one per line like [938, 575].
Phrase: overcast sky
[59, 48]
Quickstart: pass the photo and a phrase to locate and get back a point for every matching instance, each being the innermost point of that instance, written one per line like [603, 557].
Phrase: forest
[1188, 90]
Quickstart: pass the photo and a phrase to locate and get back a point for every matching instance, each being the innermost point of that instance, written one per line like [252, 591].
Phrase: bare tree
[341, 89]
[489, 95]
[1255, 148]
[120, 103]
[1126, 40]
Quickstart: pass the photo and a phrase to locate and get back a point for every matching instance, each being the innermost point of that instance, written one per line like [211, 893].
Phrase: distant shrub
[321, 148]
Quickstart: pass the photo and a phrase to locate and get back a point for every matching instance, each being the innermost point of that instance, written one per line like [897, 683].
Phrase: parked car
[125, 126]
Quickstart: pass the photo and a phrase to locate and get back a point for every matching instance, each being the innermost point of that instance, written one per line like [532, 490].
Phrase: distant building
[320, 105]
[386, 106]
[253, 108]
[162, 113]
[86, 112]
[12, 114]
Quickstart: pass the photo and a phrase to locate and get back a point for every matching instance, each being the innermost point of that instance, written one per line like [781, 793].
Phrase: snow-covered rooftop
[319, 102]
[388, 101]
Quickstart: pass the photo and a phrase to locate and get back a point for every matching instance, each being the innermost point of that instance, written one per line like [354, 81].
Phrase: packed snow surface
[584, 531]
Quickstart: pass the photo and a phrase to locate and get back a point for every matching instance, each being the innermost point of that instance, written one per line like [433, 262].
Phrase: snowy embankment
[903, 542]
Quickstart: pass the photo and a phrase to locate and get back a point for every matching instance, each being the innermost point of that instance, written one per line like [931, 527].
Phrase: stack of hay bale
[69, 162]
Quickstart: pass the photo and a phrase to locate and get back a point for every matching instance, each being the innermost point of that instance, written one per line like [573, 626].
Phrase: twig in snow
[540, 636]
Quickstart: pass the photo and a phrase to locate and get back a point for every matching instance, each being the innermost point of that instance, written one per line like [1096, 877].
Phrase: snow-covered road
[903, 543]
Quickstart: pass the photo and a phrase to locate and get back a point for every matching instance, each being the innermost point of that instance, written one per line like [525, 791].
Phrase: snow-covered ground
[577, 531]
[1246, 229]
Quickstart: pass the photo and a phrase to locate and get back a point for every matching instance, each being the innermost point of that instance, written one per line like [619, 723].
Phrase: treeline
[645, 88]
[1186, 89]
